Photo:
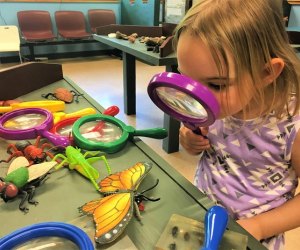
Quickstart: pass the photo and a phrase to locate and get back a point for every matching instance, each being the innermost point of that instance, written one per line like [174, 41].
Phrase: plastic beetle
[63, 94]
[32, 152]
[8, 102]
[22, 181]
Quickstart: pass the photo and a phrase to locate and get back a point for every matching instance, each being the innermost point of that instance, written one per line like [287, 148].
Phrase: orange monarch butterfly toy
[121, 199]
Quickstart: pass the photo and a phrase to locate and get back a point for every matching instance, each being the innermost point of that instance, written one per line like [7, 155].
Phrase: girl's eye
[215, 86]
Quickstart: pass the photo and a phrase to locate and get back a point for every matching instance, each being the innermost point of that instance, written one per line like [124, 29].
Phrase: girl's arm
[275, 221]
[282, 218]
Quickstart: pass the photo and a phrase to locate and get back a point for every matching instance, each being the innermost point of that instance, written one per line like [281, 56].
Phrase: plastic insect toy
[175, 230]
[186, 236]
[76, 160]
[64, 95]
[8, 102]
[32, 152]
[172, 246]
[22, 180]
[113, 212]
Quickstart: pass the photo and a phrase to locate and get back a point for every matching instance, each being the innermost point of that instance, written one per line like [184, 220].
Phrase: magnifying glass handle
[56, 140]
[58, 116]
[194, 128]
[112, 110]
[52, 106]
[215, 224]
[198, 131]
[156, 133]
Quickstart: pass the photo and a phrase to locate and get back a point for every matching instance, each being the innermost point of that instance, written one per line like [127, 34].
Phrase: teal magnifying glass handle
[156, 133]
[215, 224]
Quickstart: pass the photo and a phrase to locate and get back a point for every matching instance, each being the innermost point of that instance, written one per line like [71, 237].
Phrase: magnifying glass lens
[181, 102]
[100, 131]
[24, 121]
[47, 243]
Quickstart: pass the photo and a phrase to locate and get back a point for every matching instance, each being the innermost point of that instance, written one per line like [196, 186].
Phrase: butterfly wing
[113, 212]
[128, 179]
[111, 215]
[90, 207]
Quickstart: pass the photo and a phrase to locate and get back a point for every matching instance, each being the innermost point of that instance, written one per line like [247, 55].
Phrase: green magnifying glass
[107, 133]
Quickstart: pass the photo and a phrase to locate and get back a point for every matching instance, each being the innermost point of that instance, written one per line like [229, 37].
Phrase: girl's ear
[272, 71]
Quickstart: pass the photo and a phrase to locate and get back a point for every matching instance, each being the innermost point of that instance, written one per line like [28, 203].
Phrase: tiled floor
[101, 77]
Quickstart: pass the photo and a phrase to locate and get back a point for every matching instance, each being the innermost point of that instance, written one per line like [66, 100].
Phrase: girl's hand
[193, 143]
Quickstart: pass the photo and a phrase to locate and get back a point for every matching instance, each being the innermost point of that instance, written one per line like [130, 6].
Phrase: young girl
[250, 157]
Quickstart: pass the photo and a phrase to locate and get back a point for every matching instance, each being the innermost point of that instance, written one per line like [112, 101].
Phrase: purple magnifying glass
[29, 123]
[184, 99]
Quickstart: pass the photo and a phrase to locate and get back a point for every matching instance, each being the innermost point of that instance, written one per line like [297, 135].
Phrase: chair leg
[31, 50]
[20, 57]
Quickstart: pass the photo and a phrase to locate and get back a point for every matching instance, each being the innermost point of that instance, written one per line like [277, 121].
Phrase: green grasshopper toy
[77, 160]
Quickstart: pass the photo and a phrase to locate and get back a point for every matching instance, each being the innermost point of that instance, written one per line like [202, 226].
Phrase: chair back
[35, 25]
[71, 24]
[100, 17]
[10, 39]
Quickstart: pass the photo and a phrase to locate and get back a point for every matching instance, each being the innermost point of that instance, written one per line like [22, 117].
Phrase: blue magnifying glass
[215, 223]
[65, 231]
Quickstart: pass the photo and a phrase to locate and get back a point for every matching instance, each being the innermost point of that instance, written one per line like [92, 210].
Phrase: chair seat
[75, 35]
[38, 36]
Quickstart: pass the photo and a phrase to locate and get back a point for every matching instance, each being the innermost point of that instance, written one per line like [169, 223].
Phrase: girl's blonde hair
[252, 32]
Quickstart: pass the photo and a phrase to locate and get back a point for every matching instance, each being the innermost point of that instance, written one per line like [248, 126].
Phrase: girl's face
[196, 62]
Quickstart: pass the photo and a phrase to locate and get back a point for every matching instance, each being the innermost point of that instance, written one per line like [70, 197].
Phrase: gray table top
[65, 190]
